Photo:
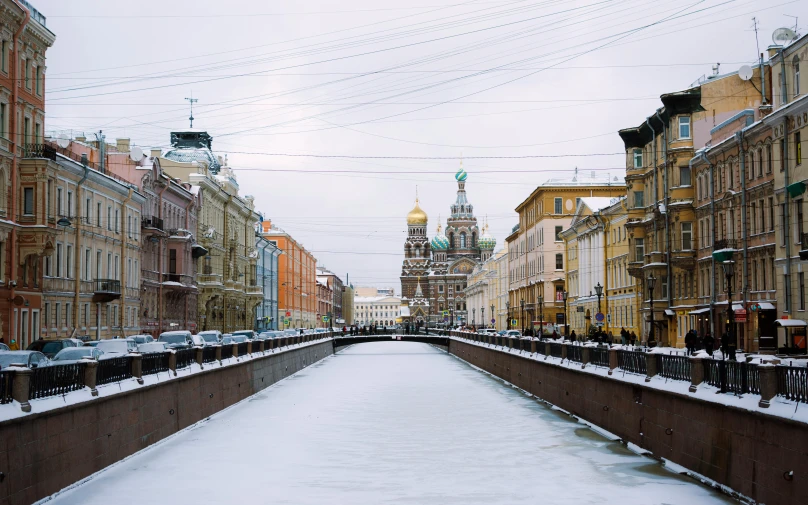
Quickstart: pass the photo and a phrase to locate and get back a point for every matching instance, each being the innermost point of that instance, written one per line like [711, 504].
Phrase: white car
[118, 346]
[151, 347]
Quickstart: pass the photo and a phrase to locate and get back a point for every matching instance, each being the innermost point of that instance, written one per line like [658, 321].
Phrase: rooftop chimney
[266, 225]
[122, 145]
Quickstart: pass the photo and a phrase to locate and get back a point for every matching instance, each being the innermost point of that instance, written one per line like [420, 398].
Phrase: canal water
[389, 423]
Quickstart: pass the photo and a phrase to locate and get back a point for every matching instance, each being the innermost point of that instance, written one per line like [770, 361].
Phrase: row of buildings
[706, 232]
[102, 239]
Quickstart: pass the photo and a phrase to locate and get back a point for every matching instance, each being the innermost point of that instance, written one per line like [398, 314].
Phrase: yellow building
[597, 257]
[536, 264]
[662, 221]
[227, 280]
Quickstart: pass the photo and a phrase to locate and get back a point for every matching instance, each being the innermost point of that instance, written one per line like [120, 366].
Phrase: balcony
[683, 254]
[106, 290]
[152, 223]
[178, 282]
[255, 291]
[58, 285]
[209, 279]
[39, 151]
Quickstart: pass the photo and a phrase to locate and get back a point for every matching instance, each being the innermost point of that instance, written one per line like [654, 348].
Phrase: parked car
[118, 346]
[177, 339]
[227, 339]
[74, 354]
[213, 337]
[4, 347]
[513, 333]
[50, 347]
[151, 347]
[91, 343]
[237, 339]
[142, 339]
[245, 333]
[31, 359]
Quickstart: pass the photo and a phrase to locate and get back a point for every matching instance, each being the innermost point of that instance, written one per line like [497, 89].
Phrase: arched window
[473, 239]
[451, 240]
[463, 240]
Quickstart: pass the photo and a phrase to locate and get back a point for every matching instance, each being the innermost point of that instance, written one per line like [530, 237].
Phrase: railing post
[249, 346]
[235, 350]
[21, 387]
[172, 362]
[696, 373]
[563, 351]
[586, 352]
[260, 346]
[219, 353]
[650, 365]
[532, 346]
[137, 367]
[612, 360]
[546, 350]
[199, 356]
[91, 375]
[510, 343]
[768, 384]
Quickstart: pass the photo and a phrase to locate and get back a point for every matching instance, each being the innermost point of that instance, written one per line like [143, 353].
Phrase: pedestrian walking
[633, 338]
[623, 336]
[690, 343]
[708, 344]
[573, 336]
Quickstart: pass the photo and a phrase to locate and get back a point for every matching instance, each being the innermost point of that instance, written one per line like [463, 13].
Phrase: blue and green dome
[487, 241]
[461, 175]
[440, 242]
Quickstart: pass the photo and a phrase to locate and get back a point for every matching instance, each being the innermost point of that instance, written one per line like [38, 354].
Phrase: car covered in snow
[151, 347]
[31, 359]
[181, 339]
[118, 346]
[50, 347]
[75, 354]
[142, 339]
[211, 336]
[249, 334]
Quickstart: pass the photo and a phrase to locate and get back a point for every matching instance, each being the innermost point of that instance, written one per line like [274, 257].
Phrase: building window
[684, 127]
[28, 201]
[638, 200]
[798, 223]
[98, 214]
[69, 261]
[687, 236]
[684, 176]
[796, 63]
[782, 154]
[558, 230]
[109, 218]
[558, 205]
[2, 120]
[798, 147]
[28, 74]
[559, 261]
[117, 216]
[58, 260]
[39, 81]
[637, 158]
[462, 240]
[802, 291]
[639, 249]
[4, 56]
[771, 213]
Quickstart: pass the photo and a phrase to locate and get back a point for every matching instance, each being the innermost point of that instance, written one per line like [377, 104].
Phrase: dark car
[50, 347]
[31, 359]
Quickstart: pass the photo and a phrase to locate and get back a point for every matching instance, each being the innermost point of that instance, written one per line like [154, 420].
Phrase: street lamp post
[540, 300]
[492, 314]
[508, 310]
[651, 285]
[522, 305]
[729, 272]
[566, 326]
[599, 292]
[482, 315]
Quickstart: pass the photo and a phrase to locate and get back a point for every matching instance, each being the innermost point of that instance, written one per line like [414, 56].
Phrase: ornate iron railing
[154, 362]
[599, 357]
[185, 357]
[674, 367]
[632, 362]
[6, 387]
[555, 349]
[114, 370]
[792, 383]
[227, 351]
[56, 380]
[242, 348]
[209, 354]
[575, 353]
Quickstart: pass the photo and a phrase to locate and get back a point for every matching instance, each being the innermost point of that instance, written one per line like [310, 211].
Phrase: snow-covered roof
[597, 203]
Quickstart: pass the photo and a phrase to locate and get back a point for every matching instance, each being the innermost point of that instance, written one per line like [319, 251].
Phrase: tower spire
[192, 101]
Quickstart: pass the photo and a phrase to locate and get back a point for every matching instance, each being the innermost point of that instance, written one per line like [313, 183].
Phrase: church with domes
[434, 272]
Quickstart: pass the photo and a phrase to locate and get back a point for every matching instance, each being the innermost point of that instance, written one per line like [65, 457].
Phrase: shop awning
[786, 323]
[197, 251]
[669, 312]
[699, 311]
[766, 306]
[737, 306]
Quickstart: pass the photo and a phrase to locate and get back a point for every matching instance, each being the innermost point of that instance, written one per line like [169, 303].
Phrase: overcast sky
[548, 80]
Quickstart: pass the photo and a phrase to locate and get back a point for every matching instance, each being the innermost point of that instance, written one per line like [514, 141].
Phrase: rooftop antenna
[192, 101]
[796, 22]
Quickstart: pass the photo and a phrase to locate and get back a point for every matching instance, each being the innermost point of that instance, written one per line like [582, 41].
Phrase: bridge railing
[21, 384]
[738, 378]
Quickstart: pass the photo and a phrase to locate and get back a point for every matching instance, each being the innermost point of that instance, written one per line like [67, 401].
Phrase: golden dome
[417, 216]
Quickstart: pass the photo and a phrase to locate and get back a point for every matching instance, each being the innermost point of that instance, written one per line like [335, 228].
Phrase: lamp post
[508, 310]
[492, 313]
[566, 326]
[474, 317]
[522, 305]
[599, 292]
[651, 285]
[729, 272]
[482, 315]
[540, 300]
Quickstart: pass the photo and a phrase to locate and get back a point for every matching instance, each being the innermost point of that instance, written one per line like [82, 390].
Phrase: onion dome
[440, 242]
[417, 216]
[487, 241]
[461, 175]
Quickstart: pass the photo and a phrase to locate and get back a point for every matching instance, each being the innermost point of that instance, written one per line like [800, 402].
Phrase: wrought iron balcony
[155, 223]
[39, 151]
[106, 290]
[804, 246]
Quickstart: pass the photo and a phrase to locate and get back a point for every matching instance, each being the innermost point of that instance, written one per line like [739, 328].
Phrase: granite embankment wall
[747, 451]
[45, 452]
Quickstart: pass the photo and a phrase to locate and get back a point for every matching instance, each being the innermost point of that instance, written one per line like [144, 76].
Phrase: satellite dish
[136, 153]
[745, 72]
[62, 141]
[783, 36]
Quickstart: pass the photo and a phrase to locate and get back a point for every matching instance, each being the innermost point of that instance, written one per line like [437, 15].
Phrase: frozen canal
[389, 422]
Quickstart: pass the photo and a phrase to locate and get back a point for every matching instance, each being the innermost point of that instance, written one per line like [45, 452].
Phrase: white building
[379, 310]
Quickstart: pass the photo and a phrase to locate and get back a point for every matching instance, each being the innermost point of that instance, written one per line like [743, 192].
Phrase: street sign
[445, 319]
[288, 314]
[446, 313]
[740, 315]
[493, 321]
[514, 322]
[599, 324]
[325, 319]
[599, 317]
[609, 318]
[579, 309]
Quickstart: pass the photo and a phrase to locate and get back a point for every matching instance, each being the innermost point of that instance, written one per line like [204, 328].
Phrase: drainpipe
[666, 188]
[123, 258]
[15, 152]
[712, 239]
[745, 287]
[762, 80]
[78, 252]
[656, 203]
[787, 207]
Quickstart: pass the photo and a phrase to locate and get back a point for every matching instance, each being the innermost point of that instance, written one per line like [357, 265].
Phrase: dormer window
[684, 127]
